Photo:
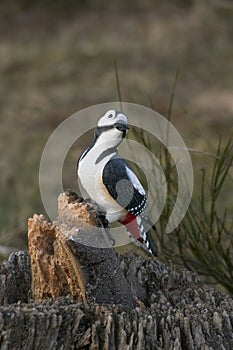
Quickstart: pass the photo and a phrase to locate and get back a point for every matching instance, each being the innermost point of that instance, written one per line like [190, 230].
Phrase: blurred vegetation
[203, 241]
[57, 58]
[70, 5]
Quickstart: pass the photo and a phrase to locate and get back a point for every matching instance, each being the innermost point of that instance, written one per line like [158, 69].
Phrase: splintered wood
[54, 270]
[73, 256]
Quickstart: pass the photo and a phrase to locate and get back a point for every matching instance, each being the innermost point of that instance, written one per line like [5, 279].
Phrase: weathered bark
[178, 310]
[181, 313]
[15, 278]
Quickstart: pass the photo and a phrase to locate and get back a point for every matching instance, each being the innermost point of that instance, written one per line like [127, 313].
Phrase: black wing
[124, 186]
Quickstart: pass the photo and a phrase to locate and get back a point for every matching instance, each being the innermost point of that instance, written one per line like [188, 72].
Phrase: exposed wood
[54, 271]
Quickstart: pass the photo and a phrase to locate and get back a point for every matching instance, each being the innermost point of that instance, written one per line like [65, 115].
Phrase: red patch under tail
[132, 226]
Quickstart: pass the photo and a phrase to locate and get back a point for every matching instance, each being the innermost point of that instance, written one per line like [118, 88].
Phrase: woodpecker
[109, 181]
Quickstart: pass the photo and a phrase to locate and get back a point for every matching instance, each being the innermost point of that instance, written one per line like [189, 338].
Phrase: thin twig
[212, 155]
[118, 84]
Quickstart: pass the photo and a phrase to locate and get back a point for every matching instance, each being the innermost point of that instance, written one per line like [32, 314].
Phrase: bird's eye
[110, 114]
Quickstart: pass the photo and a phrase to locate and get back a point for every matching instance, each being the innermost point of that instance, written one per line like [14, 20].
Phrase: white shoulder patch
[134, 180]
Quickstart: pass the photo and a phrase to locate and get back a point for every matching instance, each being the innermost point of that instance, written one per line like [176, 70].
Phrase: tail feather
[138, 229]
[143, 227]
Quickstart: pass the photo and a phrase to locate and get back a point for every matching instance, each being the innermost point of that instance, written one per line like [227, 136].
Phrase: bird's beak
[121, 126]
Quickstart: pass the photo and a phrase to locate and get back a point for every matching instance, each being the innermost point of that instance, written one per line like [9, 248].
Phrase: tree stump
[73, 294]
[73, 256]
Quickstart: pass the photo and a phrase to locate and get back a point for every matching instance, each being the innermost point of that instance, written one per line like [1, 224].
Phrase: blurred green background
[57, 58]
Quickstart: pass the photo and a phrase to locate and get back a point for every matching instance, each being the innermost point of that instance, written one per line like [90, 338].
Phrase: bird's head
[112, 126]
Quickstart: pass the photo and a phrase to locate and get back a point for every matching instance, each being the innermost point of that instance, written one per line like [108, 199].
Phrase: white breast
[90, 175]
